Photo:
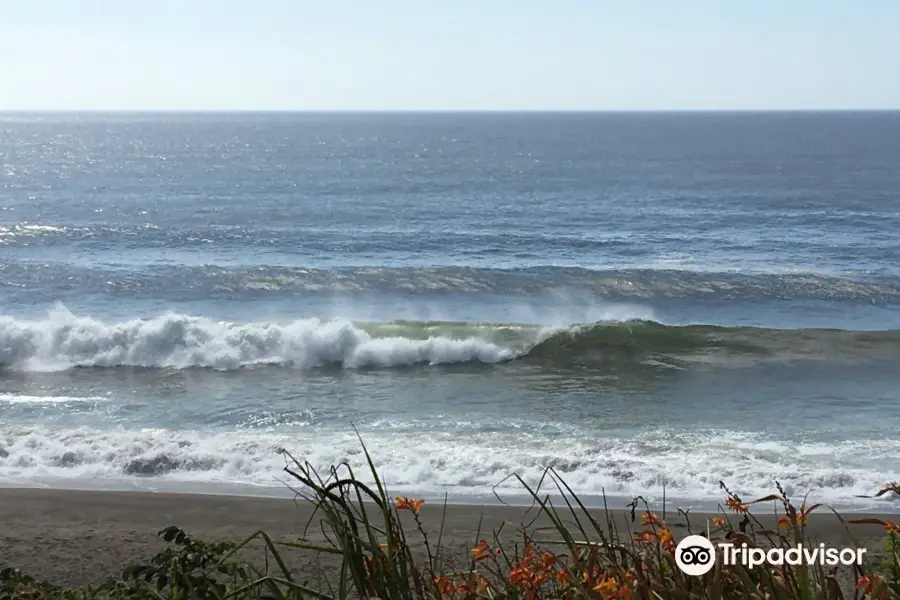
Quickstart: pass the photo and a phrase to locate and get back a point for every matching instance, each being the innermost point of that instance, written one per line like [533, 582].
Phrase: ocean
[649, 303]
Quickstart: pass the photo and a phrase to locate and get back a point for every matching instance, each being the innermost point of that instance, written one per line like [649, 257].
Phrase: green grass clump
[577, 554]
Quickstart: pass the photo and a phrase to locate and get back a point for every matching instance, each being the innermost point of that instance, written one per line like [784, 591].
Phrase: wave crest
[181, 341]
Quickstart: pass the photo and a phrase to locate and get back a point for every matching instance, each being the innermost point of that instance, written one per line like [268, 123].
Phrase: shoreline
[77, 537]
[512, 497]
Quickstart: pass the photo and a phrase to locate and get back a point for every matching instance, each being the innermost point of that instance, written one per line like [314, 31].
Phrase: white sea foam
[26, 399]
[28, 230]
[63, 340]
[690, 465]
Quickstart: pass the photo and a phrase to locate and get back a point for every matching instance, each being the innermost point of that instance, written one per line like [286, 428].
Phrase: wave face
[63, 340]
[642, 339]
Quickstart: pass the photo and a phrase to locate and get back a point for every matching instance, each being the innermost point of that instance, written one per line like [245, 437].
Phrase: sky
[449, 55]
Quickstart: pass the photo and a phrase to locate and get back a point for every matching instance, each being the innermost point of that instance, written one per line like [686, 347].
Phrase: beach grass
[380, 548]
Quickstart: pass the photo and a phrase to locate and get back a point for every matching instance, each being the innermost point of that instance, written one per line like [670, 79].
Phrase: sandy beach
[78, 537]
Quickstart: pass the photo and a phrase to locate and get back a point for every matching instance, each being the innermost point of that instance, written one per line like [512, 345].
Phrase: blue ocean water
[639, 300]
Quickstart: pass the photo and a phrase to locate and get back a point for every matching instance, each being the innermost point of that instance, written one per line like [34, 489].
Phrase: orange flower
[648, 519]
[481, 552]
[609, 588]
[665, 538]
[873, 585]
[719, 522]
[802, 516]
[521, 577]
[891, 527]
[444, 585]
[870, 584]
[645, 537]
[563, 577]
[735, 505]
[548, 560]
[412, 504]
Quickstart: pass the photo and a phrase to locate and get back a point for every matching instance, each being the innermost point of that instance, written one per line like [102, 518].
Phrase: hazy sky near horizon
[448, 55]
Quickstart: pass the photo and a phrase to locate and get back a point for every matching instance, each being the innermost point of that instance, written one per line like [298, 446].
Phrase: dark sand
[73, 538]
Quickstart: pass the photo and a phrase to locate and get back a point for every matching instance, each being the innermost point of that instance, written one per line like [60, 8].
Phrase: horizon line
[433, 110]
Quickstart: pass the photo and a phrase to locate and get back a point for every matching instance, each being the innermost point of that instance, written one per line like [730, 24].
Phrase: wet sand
[73, 538]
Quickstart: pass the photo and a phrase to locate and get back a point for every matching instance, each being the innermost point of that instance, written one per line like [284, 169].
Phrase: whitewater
[180, 341]
[647, 304]
[469, 467]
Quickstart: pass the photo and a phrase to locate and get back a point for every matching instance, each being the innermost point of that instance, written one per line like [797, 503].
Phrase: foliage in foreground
[576, 556]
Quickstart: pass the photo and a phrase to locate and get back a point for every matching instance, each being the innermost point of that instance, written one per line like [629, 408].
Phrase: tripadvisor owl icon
[695, 555]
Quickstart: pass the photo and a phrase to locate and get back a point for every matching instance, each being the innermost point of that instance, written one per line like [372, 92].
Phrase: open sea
[645, 302]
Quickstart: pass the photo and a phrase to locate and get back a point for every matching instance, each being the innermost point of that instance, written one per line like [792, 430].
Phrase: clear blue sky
[449, 54]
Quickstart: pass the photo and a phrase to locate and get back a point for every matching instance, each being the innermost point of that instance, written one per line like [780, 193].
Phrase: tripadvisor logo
[696, 555]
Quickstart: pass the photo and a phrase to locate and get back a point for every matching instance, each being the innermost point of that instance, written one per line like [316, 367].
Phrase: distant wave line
[610, 283]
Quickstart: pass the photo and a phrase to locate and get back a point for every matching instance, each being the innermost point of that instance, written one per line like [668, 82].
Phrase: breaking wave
[63, 340]
[181, 341]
